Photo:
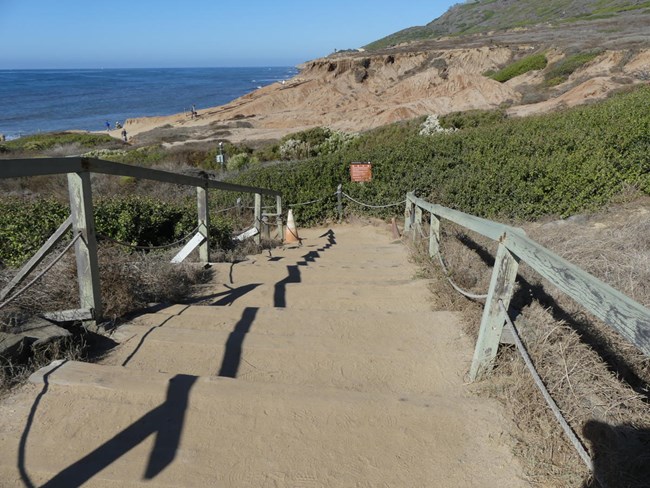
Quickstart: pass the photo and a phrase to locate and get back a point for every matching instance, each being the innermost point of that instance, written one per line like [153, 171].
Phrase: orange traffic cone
[290, 231]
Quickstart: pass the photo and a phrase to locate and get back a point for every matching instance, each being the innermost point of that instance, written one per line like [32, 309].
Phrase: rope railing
[568, 431]
[79, 171]
[367, 205]
[142, 247]
[223, 210]
[41, 274]
[460, 290]
[312, 201]
[447, 273]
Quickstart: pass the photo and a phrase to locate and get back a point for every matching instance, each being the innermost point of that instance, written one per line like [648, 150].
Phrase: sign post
[361, 172]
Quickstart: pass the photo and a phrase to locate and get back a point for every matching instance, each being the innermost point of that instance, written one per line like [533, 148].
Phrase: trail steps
[321, 365]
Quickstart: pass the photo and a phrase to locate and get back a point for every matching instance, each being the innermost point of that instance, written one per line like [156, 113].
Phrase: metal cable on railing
[136, 246]
[582, 452]
[422, 234]
[310, 202]
[42, 273]
[372, 206]
[226, 209]
[466, 293]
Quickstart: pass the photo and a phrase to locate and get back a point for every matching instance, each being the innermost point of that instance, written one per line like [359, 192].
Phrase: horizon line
[152, 67]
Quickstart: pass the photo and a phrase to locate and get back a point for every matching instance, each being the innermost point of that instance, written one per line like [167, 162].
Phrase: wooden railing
[81, 220]
[627, 317]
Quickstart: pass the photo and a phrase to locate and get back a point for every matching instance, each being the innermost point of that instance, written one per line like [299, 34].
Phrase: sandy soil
[323, 366]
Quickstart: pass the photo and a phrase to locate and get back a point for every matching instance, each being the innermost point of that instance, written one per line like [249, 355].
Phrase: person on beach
[118, 125]
[124, 135]
[108, 126]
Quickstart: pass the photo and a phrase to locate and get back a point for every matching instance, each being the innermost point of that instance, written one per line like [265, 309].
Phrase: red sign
[361, 172]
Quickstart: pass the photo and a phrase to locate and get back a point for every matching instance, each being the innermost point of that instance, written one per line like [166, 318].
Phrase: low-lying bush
[472, 118]
[524, 65]
[41, 142]
[560, 163]
[141, 221]
[560, 71]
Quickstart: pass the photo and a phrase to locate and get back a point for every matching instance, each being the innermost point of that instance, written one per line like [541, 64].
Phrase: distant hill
[478, 16]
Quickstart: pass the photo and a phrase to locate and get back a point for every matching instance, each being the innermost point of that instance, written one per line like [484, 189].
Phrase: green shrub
[472, 118]
[560, 71]
[25, 226]
[146, 221]
[40, 142]
[143, 156]
[524, 65]
[312, 142]
[556, 164]
[241, 161]
[142, 221]
[271, 152]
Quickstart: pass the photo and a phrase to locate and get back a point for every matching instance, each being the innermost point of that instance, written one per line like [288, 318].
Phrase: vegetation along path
[320, 365]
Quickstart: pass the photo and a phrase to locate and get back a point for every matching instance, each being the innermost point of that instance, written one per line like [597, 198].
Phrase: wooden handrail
[620, 312]
[17, 168]
[78, 170]
[487, 228]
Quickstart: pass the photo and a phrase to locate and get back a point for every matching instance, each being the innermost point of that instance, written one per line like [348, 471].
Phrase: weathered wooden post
[434, 235]
[278, 218]
[502, 286]
[409, 213]
[83, 222]
[417, 222]
[204, 223]
[339, 196]
[258, 218]
[266, 228]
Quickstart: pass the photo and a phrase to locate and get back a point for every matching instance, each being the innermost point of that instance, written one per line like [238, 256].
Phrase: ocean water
[33, 101]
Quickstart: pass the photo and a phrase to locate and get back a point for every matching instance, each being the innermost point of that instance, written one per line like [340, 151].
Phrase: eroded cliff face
[356, 92]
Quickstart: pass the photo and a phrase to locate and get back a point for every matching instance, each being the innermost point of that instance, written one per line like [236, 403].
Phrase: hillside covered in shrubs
[492, 166]
[480, 162]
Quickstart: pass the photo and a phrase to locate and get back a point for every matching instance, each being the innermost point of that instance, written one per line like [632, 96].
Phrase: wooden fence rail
[82, 219]
[627, 317]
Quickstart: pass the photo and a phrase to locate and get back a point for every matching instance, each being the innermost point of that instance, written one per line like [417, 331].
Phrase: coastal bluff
[357, 91]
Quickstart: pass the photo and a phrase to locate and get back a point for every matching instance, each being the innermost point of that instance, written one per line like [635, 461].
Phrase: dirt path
[319, 366]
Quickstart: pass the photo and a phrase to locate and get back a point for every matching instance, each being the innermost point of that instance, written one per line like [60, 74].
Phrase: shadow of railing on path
[228, 297]
[621, 455]
[293, 271]
[232, 354]
[165, 421]
[143, 339]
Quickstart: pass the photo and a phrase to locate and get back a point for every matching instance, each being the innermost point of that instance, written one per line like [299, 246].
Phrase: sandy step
[101, 424]
[360, 326]
[398, 365]
[292, 293]
[256, 271]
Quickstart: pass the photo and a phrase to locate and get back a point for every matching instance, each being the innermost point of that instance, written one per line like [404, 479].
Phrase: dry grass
[13, 374]
[615, 247]
[598, 379]
[128, 282]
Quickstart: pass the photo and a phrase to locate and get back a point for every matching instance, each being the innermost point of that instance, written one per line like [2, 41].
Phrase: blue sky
[195, 33]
